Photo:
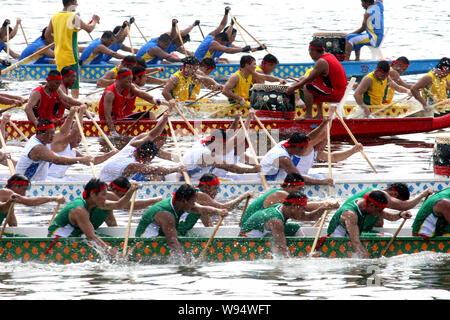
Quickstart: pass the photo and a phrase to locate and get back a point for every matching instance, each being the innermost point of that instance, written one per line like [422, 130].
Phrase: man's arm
[423, 83]
[167, 223]
[91, 26]
[42, 153]
[155, 132]
[107, 80]
[108, 100]
[158, 52]
[170, 85]
[397, 204]
[206, 200]
[338, 156]
[277, 228]
[365, 85]
[364, 24]
[397, 79]
[320, 67]
[105, 50]
[33, 101]
[350, 220]
[67, 99]
[228, 89]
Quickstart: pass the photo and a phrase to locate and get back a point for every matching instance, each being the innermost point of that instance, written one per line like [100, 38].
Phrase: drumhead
[443, 139]
[329, 35]
[269, 87]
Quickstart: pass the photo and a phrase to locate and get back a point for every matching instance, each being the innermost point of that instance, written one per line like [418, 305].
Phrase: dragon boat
[91, 73]
[33, 245]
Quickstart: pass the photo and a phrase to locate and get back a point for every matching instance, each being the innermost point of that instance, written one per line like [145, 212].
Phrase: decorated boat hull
[222, 249]
[372, 128]
[91, 73]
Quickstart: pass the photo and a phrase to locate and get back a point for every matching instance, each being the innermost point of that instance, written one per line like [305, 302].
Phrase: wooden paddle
[245, 209]
[319, 230]
[20, 132]
[238, 28]
[157, 87]
[55, 212]
[83, 137]
[391, 104]
[9, 108]
[139, 29]
[187, 179]
[181, 39]
[130, 215]
[12, 170]
[101, 131]
[27, 59]
[383, 253]
[274, 143]
[251, 35]
[142, 116]
[203, 254]
[201, 31]
[207, 95]
[10, 211]
[261, 174]
[129, 38]
[23, 32]
[187, 121]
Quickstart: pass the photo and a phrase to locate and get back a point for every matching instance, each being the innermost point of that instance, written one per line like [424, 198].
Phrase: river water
[417, 29]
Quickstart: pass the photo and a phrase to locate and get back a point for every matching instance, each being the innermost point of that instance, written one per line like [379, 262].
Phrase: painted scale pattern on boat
[75, 250]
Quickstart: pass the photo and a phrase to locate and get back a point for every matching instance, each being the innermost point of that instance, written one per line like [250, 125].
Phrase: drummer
[267, 66]
[272, 220]
[49, 101]
[326, 82]
[433, 218]
[373, 87]
[162, 219]
[362, 213]
[398, 67]
[182, 84]
[432, 87]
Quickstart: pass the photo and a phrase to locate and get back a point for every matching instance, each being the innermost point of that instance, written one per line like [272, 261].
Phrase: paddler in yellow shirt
[373, 87]
[432, 87]
[181, 84]
[398, 67]
[267, 66]
[64, 26]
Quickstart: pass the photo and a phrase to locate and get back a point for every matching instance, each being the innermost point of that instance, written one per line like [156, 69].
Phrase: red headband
[296, 144]
[287, 184]
[300, 201]
[213, 182]
[50, 78]
[101, 188]
[271, 63]
[24, 183]
[381, 71]
[400, 63]
[209, 67]
[139, 74]
[317, 48]
[374, 202]
[112, 184]
[211, 139]
[130, 63]
[124, 74]
[69, 73]
[46, 127]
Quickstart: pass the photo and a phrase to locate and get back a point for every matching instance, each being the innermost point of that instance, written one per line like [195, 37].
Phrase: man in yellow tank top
[398, 67]
[432, 87]
[181, 84]
[268, 64]
[373, 87]
[64, 26]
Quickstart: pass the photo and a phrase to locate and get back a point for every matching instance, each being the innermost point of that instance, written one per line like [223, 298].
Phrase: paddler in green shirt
[75, 218]
[272, 220]
[293, 182]
[15, 191]
[356, 215]
[163, 218]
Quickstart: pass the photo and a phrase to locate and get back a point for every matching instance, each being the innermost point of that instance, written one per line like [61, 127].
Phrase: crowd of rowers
[205, 162]
[326, 82]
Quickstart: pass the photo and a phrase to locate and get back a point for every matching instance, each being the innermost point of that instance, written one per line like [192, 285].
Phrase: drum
[334, 43]
[441, 155]
[271, 101]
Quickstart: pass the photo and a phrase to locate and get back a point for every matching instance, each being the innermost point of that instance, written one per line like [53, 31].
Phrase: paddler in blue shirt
[120, 33]
[94, 52]
[47, 57]
[370, 33]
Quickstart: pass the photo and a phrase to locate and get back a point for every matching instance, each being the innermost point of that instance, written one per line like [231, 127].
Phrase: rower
[273, 220]
[207, 154]
[110, 76]
[133, 160]
[292, 182]
[208, 189]
[120, 34]
[115, 97]
[15, 190]
[4, 156]
[12, 100]
[4, 40]
[238, 86]
[432, 87]
[74, 219]
[219, 41]
[63, 29]
[49, 101]
[267, 66]
[433, 218]
[359, 214]
[281, 160]
[326, 82]
[398, 67]
[34, 161]
[94, 52]
[47, 57]
[157, 50]
[150, 79]
[65, 143]
[374, 87]
[162, 219]
[370, 33]
[181, 84]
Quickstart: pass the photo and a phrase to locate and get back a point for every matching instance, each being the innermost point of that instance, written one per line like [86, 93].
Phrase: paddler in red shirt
[115, 99]
[326, 82]
[49, 101]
